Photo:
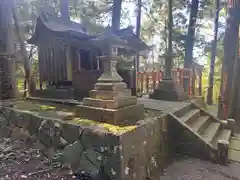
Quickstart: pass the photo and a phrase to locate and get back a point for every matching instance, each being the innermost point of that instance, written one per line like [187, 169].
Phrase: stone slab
[161, 105]
[110, 86]
[235, 144]
[108, 95]
[169, 90]
[111, 104]
[60, 101]
[234, 155]
[126, 115]
[55, 93]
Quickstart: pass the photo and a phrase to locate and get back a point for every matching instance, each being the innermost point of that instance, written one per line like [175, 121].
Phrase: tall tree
[169, 60]
[29, 81]
[8, 83]
[116, 14]
[189, 43]
[230, 49]
[214, 49]
[64, 5]
[190, 35]
[138, 29]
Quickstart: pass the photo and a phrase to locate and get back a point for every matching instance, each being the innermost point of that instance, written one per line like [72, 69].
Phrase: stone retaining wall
[145, 149]
[136, 154]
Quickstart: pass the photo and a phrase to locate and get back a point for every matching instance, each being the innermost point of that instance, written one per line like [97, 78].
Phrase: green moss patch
[46, 109]
[109, 127]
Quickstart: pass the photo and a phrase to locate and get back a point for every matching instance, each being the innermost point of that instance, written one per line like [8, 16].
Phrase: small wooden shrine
[68, 56]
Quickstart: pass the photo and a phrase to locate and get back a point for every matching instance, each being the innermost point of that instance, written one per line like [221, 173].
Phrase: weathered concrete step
[234, 155]
[234, 149]
[211, 131]
[120, 102]
[191, 115]
[224, 134]
[109, 95]
[182, 111]
[200, 123]
[234, 143]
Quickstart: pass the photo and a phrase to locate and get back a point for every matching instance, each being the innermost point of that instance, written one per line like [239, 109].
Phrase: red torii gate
[148, 81]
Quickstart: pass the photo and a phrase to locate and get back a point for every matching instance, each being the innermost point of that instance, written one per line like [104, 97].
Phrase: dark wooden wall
[52, 62]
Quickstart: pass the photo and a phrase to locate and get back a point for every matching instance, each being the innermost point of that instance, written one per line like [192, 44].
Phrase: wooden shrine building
[68, 57]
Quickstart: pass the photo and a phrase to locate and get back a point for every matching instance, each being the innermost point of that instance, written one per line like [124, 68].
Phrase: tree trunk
[29, 80]
[64, 10]
[169, 58]
[191, 33]
[138, 28]
[7, 63]
[116, 14]
[230, 45]
[188, 60]
[137, 58]
[212, 63]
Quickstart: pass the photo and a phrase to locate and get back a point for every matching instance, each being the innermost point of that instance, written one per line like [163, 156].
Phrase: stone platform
[110, 101]
[123, 152]
[125, 115]
[169, 90]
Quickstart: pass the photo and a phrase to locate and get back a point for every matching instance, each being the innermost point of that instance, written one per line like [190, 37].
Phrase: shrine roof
[128, 36]
[49, 22]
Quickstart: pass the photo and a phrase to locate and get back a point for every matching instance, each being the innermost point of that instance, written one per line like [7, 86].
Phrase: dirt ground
[194, 169]
[23, 160]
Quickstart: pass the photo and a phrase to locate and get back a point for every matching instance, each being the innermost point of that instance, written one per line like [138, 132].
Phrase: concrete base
[107, 95]
[169, 90]
[112, 103]
[126, 115]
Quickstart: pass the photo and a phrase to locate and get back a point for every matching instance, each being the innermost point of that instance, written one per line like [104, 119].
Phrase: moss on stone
[60, 111]
[109, 127]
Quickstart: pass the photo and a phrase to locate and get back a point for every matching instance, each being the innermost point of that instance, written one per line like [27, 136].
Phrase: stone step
[200, 123]
[115, 86]
[224, 134]
[191, 115]
[183, 111]
[108, 95]
[211, 131]
[110, 104]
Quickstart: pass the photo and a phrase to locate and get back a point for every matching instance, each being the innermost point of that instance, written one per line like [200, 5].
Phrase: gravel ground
[194, 169]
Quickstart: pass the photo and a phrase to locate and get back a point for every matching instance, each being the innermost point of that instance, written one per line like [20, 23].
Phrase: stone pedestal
[110, 101]
[169, 90]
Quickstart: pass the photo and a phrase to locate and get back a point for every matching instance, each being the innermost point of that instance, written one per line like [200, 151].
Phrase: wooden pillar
[69, 60]
[79, 60]
[40, 61]
[98, 63]
[91, 60]
[200, 85]
[193, 80]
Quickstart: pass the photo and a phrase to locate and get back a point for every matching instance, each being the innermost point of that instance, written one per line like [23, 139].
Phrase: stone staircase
[202, 134]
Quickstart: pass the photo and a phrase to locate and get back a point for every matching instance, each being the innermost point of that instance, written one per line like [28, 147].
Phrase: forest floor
[23, 160]
[194, 169]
